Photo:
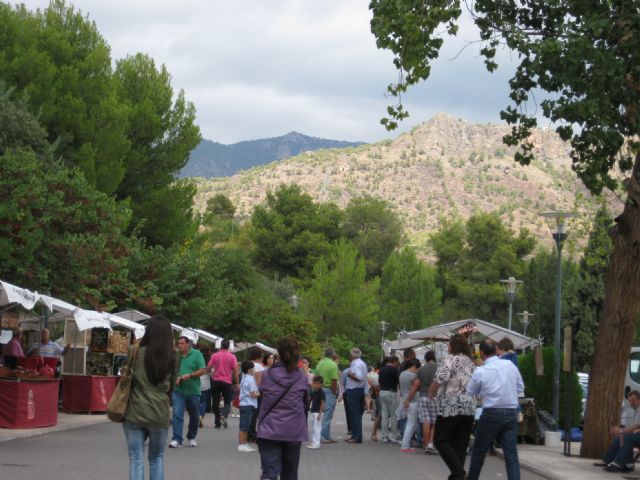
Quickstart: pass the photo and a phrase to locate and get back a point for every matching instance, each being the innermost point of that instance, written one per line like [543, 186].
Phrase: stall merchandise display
[99, 363]
[119, 342]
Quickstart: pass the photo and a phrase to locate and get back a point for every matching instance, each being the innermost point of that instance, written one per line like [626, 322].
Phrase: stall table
[28, 403]
[87, 393]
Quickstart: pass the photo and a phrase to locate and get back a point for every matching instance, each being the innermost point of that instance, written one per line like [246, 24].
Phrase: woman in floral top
[455, 408]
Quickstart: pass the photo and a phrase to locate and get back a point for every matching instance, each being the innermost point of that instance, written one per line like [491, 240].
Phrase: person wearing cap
[327, 368]
[356, 383]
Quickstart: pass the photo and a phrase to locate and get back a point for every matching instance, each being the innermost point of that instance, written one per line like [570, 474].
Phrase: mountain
[444, 167]
[213, 159]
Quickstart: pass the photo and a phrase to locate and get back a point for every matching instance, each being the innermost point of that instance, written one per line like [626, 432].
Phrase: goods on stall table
[119, 342]
[99, 340]
[99, 363]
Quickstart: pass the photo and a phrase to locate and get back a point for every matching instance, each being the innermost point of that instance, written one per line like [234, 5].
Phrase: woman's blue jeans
[136, 435]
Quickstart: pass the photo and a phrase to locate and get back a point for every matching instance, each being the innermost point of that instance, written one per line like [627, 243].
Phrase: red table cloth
[28, 403]
[86, 393]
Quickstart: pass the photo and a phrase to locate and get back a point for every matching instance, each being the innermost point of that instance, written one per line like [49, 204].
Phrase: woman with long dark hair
[155, 372]
[282, 424]
[455, 407]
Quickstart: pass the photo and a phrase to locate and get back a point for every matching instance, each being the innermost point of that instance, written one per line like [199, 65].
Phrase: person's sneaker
[174, 444]
[224, 422]
[243, 448]
[612, 467]
[408, 450]
[312, 446]
[396, 440]
[193, 443]
[385, 440]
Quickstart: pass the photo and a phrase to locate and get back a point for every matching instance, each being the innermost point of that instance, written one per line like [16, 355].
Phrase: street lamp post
[525, 319]
[557, 222]
[510, 286]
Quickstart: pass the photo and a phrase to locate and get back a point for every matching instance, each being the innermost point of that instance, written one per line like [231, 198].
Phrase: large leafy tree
[585, 55]
[57, 232]
[291, 232]
[340, 299]
[409, 297]
[471, 258]
[57, 59]
[161, 131]
[374, 228]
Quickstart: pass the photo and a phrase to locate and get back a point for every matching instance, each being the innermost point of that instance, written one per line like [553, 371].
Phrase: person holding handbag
[154, 367]
[282, 424]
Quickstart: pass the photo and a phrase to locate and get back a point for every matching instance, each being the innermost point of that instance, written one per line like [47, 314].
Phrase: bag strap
[271, 407]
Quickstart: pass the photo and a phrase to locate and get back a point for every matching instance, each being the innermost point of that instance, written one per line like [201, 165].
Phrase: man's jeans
[355, 404]
[136, 434]
[329, 406]
[622, 455]
[192, 404]
[496, 424]
[388, 403]
[224, 390]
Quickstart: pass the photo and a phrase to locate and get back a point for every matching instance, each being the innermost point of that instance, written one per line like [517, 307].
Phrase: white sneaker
[174, 444]
[192, 443]
[312, 446]
[245, 447]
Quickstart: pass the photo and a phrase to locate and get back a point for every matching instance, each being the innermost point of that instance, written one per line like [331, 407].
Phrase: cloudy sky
[262, 68]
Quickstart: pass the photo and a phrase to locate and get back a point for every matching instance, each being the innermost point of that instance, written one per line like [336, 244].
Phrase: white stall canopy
[486, 329]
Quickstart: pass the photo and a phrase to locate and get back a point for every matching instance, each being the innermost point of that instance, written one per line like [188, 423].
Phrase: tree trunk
[617, 325]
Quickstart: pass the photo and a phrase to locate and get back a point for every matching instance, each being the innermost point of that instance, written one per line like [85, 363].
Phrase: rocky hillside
[444, 167]
[213, 159]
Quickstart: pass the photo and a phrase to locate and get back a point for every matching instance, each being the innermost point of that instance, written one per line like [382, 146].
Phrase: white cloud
[262, 68]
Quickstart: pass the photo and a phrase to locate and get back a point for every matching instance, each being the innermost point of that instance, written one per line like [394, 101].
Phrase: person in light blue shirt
[498, 382]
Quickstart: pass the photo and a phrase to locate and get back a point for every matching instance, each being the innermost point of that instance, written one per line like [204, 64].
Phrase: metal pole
[556, 358]
[510, 312]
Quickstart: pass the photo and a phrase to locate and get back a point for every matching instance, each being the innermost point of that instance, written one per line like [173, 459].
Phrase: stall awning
[12, 294]
[495, 332]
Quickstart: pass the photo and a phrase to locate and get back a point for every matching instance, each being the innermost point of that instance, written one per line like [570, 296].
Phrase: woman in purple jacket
[282, 422]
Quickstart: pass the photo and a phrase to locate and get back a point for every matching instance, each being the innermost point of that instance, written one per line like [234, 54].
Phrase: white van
[631, 382]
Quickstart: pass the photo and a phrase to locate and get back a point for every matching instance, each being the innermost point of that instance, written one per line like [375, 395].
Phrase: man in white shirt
[498, 382]
[357, 387]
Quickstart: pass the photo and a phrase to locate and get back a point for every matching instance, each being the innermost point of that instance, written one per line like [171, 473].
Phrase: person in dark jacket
[282, 424]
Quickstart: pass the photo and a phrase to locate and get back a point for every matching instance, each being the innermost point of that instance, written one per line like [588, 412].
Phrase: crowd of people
[428, 405]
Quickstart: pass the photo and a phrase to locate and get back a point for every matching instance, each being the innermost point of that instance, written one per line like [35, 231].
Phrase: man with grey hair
[328, 370]
[356, 384]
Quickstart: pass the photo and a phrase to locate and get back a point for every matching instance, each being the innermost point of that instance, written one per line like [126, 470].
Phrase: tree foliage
[471, 258]
[374, 228]
[409, 297]
[59, 62]
[161, 132]
[339, 298]
[291, 232]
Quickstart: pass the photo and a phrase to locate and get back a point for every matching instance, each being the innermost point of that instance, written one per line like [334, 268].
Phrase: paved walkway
[98, 451]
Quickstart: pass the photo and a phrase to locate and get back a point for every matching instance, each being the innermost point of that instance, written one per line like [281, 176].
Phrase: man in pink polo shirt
[225, 375]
